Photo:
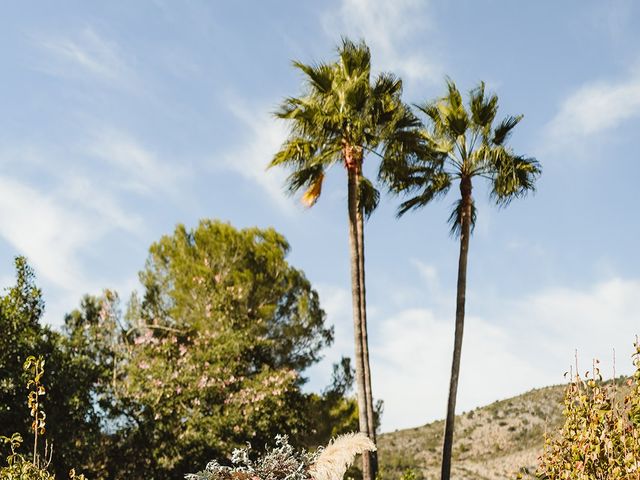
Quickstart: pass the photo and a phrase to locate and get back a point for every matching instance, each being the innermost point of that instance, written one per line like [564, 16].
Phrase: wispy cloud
[57, 206]
[85, 52]
[39, 227]
[138, 168]
[389, 28]
[524, 343]
[54, 227]
[594, 109]
[263, 136]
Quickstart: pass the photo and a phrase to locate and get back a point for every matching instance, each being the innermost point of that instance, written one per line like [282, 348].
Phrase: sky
[121, 119]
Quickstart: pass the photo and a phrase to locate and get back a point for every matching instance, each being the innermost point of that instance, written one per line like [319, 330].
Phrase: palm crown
[342, 117]
[467, 145]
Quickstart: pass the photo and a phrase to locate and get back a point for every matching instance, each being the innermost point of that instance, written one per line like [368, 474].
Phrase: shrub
[18, 467]
[283, 462]
[600, 437]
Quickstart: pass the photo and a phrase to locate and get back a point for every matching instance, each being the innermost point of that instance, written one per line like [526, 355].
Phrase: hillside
[497, 441]
[491, 442]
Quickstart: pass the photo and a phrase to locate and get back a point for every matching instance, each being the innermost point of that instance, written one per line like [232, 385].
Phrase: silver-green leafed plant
[284, 462]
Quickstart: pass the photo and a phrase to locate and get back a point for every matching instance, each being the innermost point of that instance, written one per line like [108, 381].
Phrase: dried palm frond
[312, 194]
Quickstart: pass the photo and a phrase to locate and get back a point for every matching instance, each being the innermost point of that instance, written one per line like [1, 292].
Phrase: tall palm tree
[342, 118]
[469, 147]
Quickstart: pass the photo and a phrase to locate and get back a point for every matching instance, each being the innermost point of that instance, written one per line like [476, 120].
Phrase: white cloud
[412, 362]
[594, 109]
[84, 194]
[53, 229]
[37, 226]
[263, 138]
[55, 211]
[388, 27]
[594, 321]
[521, 344]
[140, 169]
[85, 52]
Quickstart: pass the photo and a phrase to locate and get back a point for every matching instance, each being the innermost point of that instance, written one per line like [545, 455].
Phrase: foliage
[332, 412]
[71, 418]
[343, 116]
[210, 356]
[600, 437]
[279, 463]
[18, 468]
[285, 463]
[466, 144]
[36, 390]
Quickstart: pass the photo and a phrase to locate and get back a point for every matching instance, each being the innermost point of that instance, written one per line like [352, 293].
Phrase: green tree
[468, 147]
[210, 356]
[341, 118]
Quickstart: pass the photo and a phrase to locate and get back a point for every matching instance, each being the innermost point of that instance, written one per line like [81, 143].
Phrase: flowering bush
[600, 438]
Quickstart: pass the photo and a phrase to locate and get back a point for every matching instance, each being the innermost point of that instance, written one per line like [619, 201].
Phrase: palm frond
[454, 117]
[430, 184]
[369, 197]
[305, 177]
[355, 58]
[319, 76]
[514, 177]
[483, 109]
[503, 131]
[296, 151]
[455, 219]
[430, 109]
[311, 195]
[386, 84]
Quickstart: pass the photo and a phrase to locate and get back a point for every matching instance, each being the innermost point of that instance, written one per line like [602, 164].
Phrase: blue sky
[121, 119]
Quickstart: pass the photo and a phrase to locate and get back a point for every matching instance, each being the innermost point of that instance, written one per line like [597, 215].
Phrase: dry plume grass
[334, 460]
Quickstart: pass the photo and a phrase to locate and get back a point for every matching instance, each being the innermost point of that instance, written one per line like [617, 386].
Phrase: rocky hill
[492, 442]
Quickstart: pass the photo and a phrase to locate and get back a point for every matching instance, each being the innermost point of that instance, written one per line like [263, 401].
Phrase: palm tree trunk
[465, 231]
[365, 341]
[356, 293]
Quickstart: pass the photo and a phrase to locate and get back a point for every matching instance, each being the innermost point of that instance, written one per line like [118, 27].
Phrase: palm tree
[342, 118]
[468, 147]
